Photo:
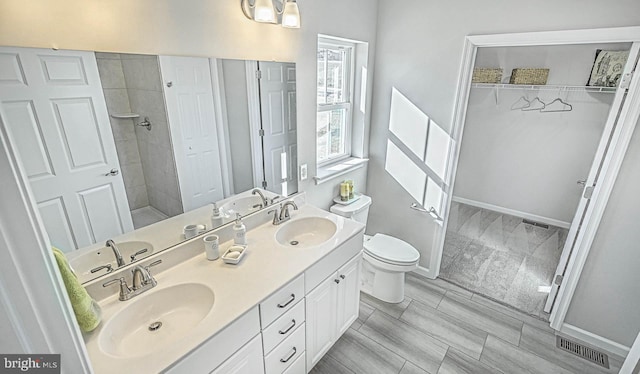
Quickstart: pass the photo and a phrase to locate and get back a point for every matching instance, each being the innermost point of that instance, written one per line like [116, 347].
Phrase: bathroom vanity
[278, 311]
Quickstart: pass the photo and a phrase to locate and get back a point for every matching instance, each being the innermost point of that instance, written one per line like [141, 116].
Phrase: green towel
[86, 309]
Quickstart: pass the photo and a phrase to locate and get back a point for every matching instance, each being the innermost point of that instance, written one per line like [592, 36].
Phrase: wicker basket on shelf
[483, 75]
[529, 76]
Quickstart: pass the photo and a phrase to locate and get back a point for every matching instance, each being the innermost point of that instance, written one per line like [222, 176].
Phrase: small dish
[234, 254]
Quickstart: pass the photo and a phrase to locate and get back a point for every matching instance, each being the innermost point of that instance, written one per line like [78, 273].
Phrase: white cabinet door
[248, 360]
[348, 297]
[321, 320]
[53, 107]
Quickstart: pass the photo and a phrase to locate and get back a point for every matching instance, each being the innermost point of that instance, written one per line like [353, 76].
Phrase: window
[335, 96]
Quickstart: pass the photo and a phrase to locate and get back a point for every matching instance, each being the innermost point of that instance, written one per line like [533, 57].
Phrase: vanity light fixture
[267, 12]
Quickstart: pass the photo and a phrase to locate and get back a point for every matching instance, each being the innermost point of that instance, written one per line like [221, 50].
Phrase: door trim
[255, 121]
[611, 165]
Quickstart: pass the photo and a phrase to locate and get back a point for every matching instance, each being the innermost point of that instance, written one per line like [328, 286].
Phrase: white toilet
[386, 258]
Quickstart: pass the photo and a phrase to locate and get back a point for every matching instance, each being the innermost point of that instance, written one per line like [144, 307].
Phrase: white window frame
[327, 42]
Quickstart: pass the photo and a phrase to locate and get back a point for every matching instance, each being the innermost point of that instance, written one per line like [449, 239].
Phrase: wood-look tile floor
[441, 328]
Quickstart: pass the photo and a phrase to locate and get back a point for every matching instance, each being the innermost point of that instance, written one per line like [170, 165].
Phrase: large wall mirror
[114, 142]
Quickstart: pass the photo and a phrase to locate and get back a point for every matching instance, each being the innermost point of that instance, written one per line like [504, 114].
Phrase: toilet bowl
[386, 258]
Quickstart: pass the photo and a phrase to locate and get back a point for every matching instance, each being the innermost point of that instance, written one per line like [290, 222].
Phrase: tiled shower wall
[117, 99]
[144, 88]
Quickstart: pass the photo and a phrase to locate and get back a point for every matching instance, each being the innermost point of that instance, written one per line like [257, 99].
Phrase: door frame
[611, 166]
[255, 121]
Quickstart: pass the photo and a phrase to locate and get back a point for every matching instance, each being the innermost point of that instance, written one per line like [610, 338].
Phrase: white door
[348, 304]
[55, 113]
[611, 131]
[189, 99]
[321, 320]
[278, 112]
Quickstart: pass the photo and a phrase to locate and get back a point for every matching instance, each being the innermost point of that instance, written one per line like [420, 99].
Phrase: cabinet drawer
[283, 327]
[285, 354]
[248, 360]
[299, 366]
[281, 301]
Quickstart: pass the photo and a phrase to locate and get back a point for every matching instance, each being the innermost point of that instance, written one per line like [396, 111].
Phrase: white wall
[530, 161]
[211, 28]
[607, 299]
[235, 91]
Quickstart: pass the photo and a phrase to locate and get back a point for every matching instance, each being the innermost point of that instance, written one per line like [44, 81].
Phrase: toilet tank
[358, 210]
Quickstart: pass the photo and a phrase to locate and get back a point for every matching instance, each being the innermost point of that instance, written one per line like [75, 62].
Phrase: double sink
[196, 298]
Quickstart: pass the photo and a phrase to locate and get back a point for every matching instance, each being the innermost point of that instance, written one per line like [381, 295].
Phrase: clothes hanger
[561, 107]
[522, 102]
[536, 104]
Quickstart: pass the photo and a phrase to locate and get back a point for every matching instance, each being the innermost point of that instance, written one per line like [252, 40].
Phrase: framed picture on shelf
[607, 68]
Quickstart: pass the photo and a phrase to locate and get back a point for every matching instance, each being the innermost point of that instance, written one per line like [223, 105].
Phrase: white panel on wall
[11, 72]
[26, 133]
[56, 222]
[433, 196]
[63, 70]
[408, 123]
[101, 212]
[438, 147]
[405, 172]
[80, 130]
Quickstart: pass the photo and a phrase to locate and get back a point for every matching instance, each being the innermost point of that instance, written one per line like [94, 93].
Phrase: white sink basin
[134, 331]
[306, 232]
[242, 205]
[83, 263]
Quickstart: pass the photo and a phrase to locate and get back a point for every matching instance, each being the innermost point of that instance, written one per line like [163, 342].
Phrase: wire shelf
[561, 88]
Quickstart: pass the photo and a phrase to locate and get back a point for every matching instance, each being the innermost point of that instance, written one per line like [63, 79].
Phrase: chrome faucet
[116, 252]
[142, 281]
[284, 211]
[282, 215]
[265, 202]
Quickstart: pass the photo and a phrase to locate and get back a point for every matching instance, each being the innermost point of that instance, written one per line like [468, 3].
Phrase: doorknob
[112, 173]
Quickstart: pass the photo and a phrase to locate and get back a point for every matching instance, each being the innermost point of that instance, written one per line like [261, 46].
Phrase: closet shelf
[546, 87]
[125, 115]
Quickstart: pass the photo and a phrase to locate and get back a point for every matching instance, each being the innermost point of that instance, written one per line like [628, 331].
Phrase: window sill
[326, 173]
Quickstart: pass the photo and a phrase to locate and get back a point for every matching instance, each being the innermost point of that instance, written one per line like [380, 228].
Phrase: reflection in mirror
[115, 142]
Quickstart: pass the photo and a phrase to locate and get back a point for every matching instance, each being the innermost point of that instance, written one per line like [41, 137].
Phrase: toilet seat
[391, 250]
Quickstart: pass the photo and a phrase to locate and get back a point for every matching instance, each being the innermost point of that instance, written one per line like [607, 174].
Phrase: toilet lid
[390, 249]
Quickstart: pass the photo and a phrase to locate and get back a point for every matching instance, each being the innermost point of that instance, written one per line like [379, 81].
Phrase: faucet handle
[157, 262]
[133, 256]
[109, 268]
[124, 288]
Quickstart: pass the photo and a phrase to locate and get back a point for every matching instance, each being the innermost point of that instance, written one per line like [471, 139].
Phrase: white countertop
[266, 267]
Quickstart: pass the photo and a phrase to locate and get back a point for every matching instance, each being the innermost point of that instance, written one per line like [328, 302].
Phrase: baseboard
[499, 209]
[424, 272]
[596, 341]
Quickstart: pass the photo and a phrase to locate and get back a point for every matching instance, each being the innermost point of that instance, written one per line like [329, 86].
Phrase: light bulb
[264, 11]
[291, 15]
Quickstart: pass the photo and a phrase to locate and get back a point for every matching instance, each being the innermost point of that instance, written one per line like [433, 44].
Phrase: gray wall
[529, 161]
[144, 87]
[607, 299]
[117, 99]
[235, 91]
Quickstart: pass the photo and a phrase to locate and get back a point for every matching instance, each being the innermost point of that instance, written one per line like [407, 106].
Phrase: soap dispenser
[239, 231]
[216, 217]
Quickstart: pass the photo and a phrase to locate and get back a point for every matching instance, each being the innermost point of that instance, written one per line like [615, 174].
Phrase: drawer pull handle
[342, 276]
[283, 360]
[293, 297]
[337, 281]
[293, 324]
